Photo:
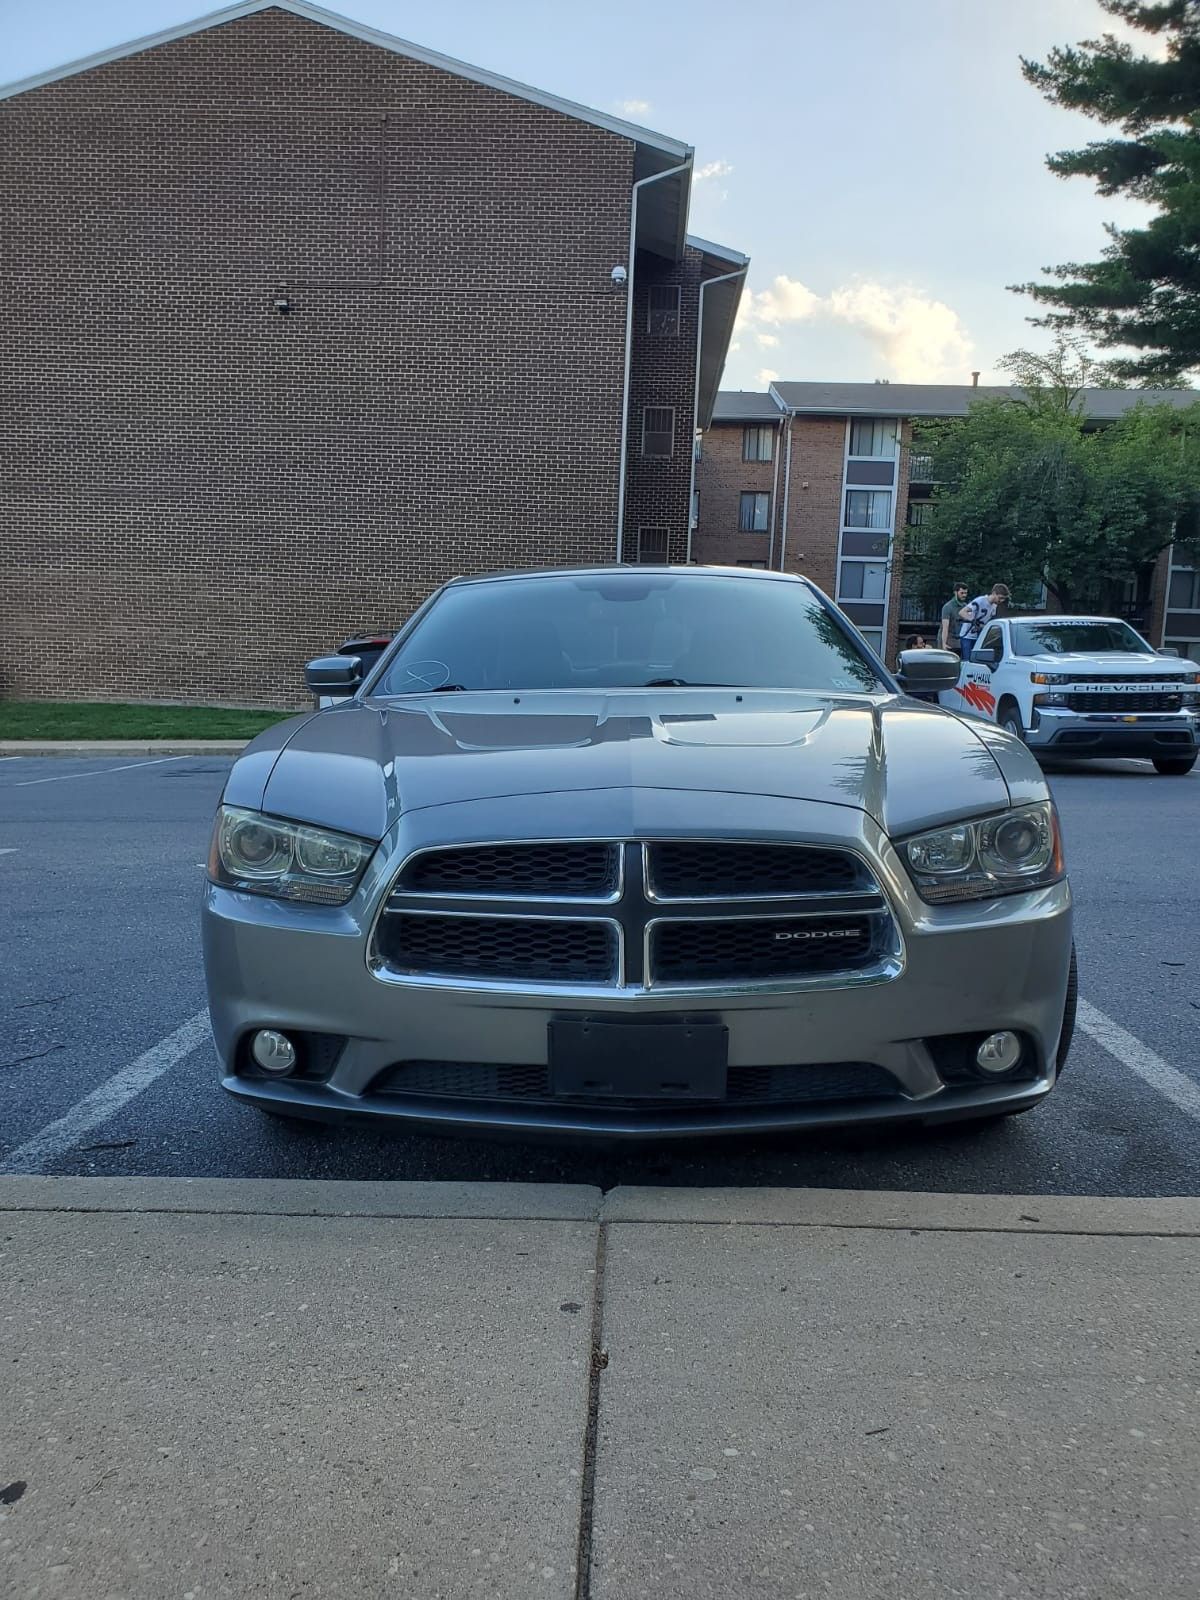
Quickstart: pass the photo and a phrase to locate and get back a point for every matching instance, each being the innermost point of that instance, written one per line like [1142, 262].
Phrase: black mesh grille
[684, 870]
[1131, 702]
[518, 948]
[533, 870]
[793, 1085]
[780, 947]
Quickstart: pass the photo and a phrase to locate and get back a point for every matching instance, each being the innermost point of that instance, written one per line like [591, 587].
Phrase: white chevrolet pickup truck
[1074, 687]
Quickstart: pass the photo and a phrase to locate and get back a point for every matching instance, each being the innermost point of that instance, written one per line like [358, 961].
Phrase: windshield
[628, 630]
[1077, 638]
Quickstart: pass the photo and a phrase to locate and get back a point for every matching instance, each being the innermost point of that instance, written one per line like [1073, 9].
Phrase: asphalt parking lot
[105, 1067]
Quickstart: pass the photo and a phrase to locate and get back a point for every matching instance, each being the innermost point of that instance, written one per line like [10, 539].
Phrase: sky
[883, 165]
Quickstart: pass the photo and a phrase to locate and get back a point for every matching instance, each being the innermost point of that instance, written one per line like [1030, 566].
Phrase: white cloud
[633, 108]
[918, 339]
[921, 340]
[711, 169]
[785, 301]
[766, 376]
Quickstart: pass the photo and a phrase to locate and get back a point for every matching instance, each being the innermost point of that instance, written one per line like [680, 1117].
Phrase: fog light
[998, 1053]
[275, 1052]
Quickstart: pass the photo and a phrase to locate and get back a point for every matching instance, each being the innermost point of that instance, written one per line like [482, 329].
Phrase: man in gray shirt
[948, 632]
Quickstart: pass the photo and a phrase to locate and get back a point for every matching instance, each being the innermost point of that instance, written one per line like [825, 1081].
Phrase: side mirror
[985, 658]
[334, 675]
[928, 671]
[1168, 650]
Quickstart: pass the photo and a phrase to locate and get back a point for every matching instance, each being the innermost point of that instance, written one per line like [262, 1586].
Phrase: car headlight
[1009, 854]
[288, 860]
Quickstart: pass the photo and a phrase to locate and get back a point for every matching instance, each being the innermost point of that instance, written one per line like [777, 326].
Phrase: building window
[919, 512]
[874, 637]
[754, 512]
[698, 448]
[658, 430]
[652, 546]
[695, 508]
[868, 508]
[1185, 590]
[862, 580]
[874, 436]
[758, 444]
[662, 313]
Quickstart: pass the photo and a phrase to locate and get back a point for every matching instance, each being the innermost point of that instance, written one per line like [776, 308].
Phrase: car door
[975, 686]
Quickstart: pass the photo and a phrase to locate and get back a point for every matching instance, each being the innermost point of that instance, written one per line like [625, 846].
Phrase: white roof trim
[721, 250]
[357, 30]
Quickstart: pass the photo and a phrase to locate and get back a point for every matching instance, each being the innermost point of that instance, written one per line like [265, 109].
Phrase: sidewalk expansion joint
[597, 1361]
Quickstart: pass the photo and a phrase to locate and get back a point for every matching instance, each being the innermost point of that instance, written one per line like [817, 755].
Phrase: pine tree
[1142, 299]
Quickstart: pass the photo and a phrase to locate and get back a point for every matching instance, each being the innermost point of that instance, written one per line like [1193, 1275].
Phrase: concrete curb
[122, 747]
[794, 1208]
[904, 1210]
[306, 1197]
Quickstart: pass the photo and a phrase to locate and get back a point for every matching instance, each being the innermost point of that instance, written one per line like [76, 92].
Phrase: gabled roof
[950, 399]
[746, 405]
[657, 142]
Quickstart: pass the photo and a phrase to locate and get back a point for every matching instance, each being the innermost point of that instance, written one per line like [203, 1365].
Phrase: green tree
[1030, 494]
[1143, 296]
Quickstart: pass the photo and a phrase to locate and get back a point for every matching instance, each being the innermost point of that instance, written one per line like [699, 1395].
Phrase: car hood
[357, 767]
[1120, 666]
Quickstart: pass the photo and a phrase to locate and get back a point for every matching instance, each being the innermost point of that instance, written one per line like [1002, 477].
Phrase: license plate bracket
[596, 1059]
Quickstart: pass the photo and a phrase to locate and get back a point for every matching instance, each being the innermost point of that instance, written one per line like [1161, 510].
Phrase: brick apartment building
[819, 478]
[300, 320]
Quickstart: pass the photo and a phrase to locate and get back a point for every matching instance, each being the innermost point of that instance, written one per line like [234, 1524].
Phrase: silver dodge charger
[637, 852]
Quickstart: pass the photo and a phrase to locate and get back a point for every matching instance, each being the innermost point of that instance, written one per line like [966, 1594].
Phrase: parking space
[105, 1069]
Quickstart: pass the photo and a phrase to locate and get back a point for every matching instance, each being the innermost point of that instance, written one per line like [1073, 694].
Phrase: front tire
[1174, 766]
[1010, 720]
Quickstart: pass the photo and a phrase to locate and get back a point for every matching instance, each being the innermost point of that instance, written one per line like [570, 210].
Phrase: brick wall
[662, 373]
[198, 492]
[815, 500]
[722, 477]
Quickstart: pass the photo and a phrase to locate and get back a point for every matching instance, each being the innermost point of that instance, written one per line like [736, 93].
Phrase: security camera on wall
[619, 277]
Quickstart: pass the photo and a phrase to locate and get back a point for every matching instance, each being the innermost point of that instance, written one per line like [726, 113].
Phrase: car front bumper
[1144, 734]
[961, 971]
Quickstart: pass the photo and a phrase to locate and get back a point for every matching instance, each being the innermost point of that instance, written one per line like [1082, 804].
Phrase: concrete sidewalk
[122, 747]
[338, 1389]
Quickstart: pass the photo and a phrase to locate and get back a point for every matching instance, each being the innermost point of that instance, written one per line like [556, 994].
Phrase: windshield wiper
[685, 683]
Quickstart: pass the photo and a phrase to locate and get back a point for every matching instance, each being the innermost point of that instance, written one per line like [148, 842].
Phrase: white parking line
[10, 851]
[107, 1100]
[65, 777]
[1179, 1089]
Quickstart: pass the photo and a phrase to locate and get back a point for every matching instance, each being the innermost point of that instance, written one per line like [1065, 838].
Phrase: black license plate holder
[602, 1060]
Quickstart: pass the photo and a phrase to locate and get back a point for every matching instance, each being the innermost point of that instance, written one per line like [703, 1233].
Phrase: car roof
[1039, 618]
[611, 569]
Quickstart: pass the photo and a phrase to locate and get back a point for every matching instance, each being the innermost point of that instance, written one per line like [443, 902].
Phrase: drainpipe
[787, 485]
[724, 278]
[775, 495]
[655, 177]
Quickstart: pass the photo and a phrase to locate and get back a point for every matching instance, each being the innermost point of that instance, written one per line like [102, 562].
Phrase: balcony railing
[920, 468]
[914, 609]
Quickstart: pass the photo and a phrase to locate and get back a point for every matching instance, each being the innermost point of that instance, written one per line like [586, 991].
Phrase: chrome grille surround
[641, 922]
